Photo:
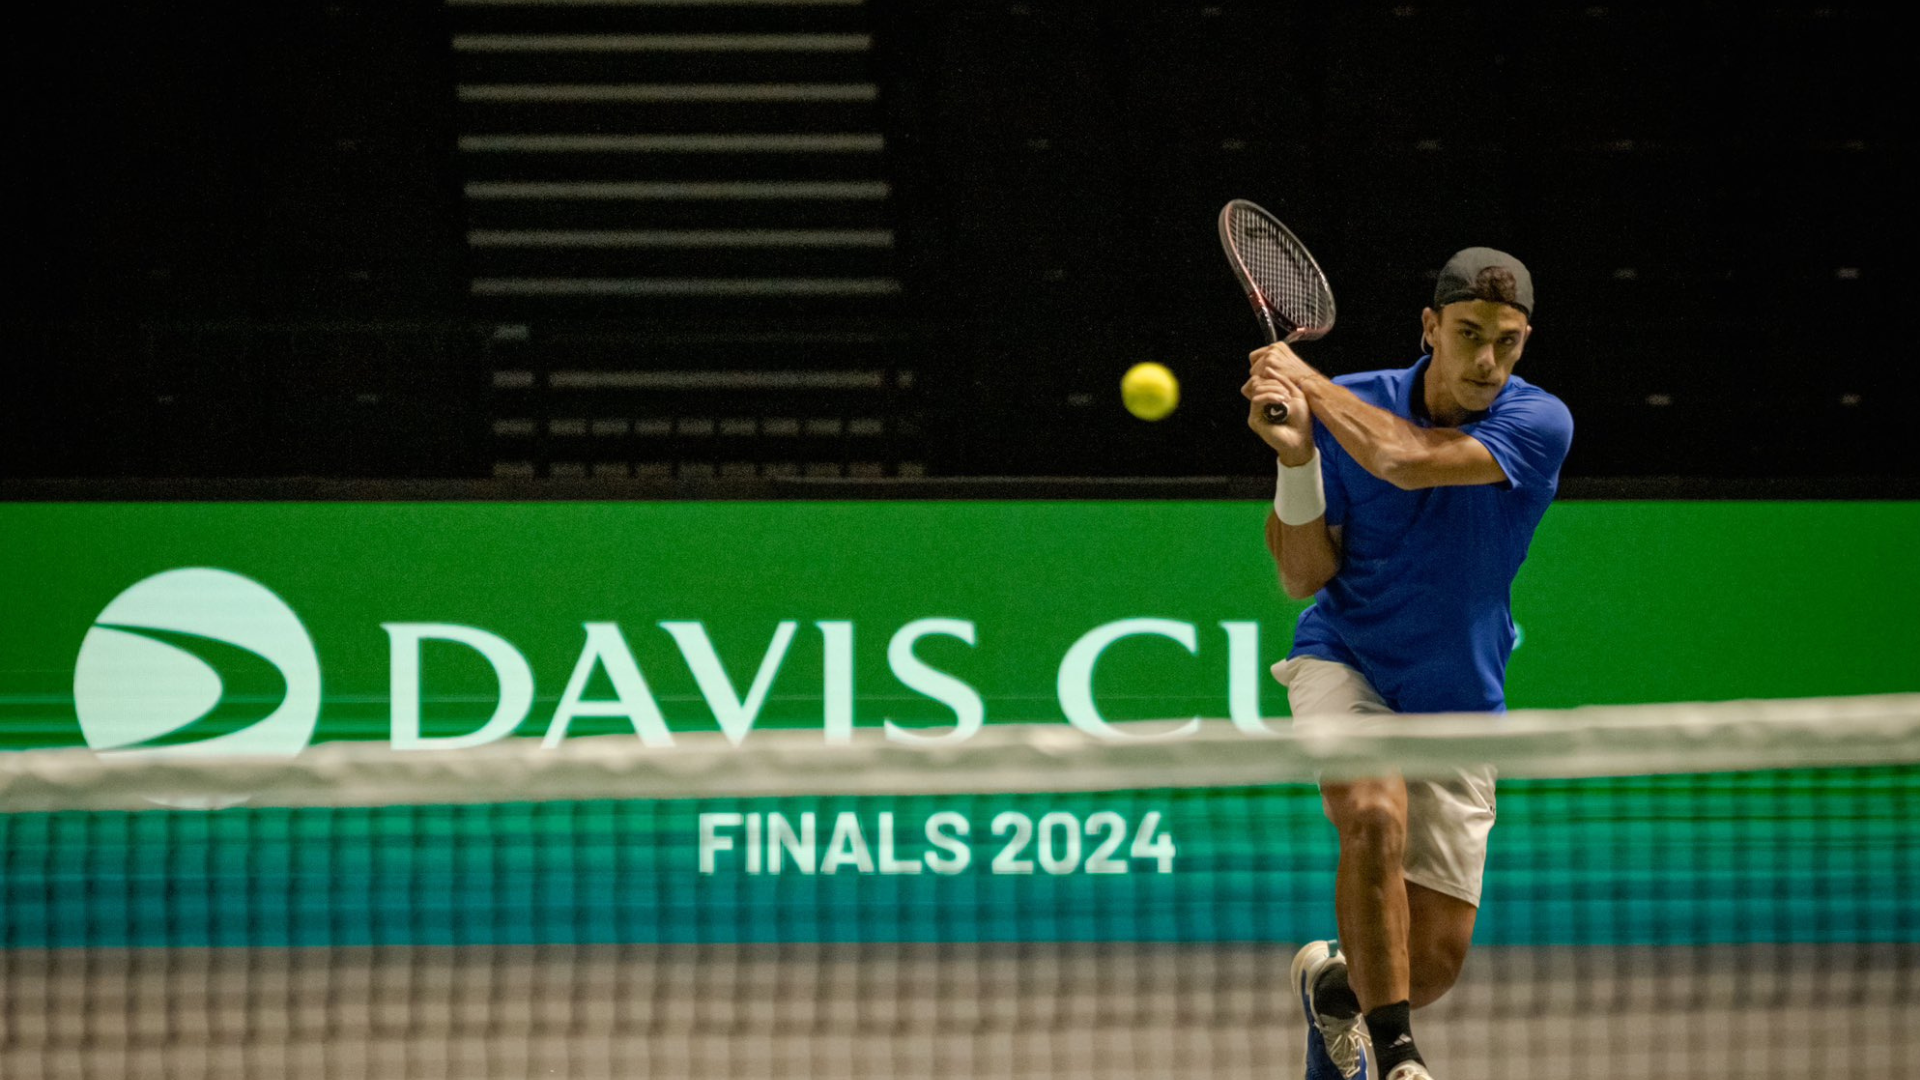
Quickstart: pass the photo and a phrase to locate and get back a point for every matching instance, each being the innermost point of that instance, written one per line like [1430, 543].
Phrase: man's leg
[1411, 951]
[1370, 895]
[1374, 910]
[1448, 824]
[1371, 902]
[1327, 696]
[1407, 886]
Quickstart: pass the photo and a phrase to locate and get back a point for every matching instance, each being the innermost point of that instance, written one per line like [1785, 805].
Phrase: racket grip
[1277, 414]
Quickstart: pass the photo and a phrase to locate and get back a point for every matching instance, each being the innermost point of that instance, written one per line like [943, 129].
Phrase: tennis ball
[1149, 390]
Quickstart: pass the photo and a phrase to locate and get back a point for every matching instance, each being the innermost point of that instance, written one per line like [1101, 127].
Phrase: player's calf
[1434, 967]
[1439, 933]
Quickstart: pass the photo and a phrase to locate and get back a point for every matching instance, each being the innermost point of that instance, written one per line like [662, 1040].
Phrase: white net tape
[1613, 740]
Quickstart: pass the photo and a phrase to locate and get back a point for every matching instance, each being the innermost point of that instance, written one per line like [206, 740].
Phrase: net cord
[1054, 757]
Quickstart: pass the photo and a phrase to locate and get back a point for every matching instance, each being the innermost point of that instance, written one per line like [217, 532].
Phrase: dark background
[287, 240]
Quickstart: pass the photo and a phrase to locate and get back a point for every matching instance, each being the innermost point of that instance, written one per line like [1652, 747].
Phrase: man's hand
[1293, 440]
[1276, 376]
[1280, 359]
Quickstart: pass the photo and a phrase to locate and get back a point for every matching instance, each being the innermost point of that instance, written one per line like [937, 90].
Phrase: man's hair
[1494, 283]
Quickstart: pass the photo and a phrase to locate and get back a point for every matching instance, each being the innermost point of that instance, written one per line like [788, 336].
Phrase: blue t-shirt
[1423, 605]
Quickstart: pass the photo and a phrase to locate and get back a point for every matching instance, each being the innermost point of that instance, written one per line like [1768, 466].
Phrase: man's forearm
[1380, 441]
[1304, 554]
[1396, 449]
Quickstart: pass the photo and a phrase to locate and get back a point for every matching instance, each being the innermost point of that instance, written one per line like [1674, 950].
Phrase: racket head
[1286, 286]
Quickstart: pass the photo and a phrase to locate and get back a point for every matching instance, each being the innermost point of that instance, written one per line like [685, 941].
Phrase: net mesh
[1279, 268]
[1707, 909]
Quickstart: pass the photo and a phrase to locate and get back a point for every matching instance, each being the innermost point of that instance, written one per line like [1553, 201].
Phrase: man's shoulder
[1535, 402]
[1381, 382]
[1377, 375]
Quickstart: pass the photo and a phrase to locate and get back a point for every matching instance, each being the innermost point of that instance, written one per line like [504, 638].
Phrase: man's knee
[1369, 814]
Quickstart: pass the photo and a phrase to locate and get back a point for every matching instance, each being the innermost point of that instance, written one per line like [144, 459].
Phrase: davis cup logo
[200, 662]
[197, 662]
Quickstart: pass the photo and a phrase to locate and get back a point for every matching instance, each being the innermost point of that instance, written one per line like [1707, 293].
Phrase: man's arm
[1396, 449]
[1307, 555]
[1390, 447]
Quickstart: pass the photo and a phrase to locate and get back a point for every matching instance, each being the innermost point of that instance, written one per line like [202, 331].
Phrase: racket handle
[1277, 414]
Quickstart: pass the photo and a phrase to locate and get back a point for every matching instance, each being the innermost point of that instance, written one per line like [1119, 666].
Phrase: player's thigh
[1325, 697]
[1449, 821]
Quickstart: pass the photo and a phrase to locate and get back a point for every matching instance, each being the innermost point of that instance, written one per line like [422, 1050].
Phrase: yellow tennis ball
[1149, 390]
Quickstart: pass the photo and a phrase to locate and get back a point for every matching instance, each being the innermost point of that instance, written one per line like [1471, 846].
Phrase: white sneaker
[1331, 1041]
[1410, 1070]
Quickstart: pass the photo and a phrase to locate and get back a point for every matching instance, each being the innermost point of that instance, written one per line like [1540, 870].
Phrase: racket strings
[1282, 270]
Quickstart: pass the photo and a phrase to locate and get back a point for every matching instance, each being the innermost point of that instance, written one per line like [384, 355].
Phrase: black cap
[1507, 280]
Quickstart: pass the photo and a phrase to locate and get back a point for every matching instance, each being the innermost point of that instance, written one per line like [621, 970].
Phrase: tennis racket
[1289, 293]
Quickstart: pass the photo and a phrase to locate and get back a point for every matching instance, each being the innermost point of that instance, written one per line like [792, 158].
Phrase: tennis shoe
[1410, 1070]
[1336, 1047]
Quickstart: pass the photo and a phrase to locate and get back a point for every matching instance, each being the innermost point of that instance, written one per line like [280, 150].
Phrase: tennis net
[1701, 891]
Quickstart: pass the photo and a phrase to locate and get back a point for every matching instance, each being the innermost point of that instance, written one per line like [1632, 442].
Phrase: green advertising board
[262, 627]
[929, 616]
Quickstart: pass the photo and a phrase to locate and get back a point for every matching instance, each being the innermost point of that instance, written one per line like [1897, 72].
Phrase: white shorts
[1447, 820]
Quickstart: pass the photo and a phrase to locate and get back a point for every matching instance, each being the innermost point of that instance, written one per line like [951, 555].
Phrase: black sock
[1332, 996]
[1392, 1029]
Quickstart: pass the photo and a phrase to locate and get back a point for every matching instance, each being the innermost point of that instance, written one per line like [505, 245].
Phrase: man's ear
[1429, 322]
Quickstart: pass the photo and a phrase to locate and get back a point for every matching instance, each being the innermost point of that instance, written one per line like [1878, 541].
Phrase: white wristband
[1300, 496]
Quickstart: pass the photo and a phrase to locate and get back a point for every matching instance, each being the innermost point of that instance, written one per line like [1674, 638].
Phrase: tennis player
[1405, 504]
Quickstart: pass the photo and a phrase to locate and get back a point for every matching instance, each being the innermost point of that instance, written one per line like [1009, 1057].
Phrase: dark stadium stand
[923, 238]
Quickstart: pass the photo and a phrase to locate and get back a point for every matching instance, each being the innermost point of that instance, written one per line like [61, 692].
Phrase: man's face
[1475, 345]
